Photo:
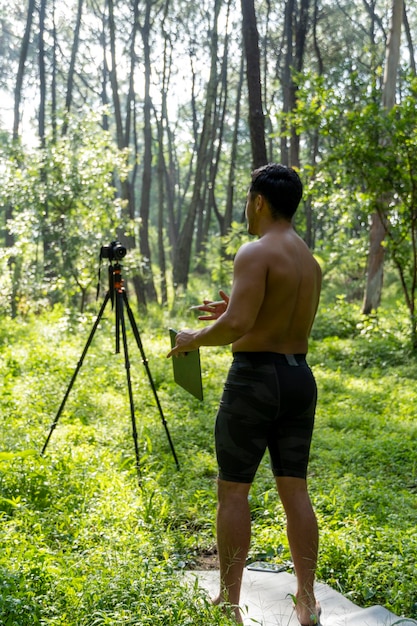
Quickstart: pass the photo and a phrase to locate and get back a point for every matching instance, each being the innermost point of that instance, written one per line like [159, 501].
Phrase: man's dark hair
[281, 186]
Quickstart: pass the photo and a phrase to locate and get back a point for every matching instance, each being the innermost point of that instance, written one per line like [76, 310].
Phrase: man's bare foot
[308, 611]
[228, 608]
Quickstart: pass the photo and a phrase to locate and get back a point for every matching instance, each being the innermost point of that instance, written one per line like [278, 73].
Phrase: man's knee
[228, 490]
[292, 490]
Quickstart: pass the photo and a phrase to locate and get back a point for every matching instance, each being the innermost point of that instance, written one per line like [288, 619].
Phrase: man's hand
[215, 309]
[184, 342]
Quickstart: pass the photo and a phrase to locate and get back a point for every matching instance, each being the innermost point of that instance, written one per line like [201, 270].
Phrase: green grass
[82, 544]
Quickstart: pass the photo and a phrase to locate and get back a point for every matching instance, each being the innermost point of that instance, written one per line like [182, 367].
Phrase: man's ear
[260, 200]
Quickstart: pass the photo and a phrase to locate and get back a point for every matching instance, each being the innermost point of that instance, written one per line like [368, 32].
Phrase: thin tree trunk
[21, 69]
[161, 206]
[42, 73]
[71, 71]
[228, 215]
[216, 144]
[300, 41]
[286, 79]
[167, 163]
[375, 270]
[14, 262]
[145, 248]
[316, 39]
[53, 79]
[182, 254]
[253, 73]
[295, 33]
[105, 73]
[409, 41]
[113, 78]
[308, 209]
[372, 297]
[49, 254]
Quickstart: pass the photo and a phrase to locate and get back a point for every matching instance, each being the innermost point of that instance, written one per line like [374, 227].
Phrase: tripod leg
[121, 320]
[77, 369]
[148, 371]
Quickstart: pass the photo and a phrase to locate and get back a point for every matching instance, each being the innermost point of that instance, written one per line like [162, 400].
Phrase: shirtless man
[269, 397]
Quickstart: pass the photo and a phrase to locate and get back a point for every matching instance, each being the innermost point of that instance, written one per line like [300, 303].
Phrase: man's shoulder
[251, 249]
[251, 257]
[247, 248]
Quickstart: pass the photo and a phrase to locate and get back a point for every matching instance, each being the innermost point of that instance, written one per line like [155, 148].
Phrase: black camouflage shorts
[269, 401]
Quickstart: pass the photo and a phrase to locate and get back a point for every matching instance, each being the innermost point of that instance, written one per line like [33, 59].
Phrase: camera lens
[119, 251]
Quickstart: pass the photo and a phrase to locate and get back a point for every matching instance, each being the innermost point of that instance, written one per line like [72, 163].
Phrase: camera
[114, 251]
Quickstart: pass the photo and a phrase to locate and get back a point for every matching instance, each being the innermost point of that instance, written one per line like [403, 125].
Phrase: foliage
[83, 544]
[67, 191]
[387, 143]
[220, 252]
[370, 168]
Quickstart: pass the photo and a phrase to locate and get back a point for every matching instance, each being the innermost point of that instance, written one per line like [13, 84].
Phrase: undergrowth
[87, 541]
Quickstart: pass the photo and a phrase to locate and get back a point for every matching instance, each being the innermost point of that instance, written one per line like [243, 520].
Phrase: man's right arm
[246, 298]
[243, 307]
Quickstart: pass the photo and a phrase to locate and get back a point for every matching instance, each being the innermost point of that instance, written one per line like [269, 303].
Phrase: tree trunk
[42, 73]
[286, 79]
[113, 78]
[375, 270]
[301, 29]
[253, 73]
[295, 34]
[54, 71]
[167, 166]
[145, 248]
[105, 73]
[161, 207]
[409, 41]
[47, 226]
[182, 253]
[372, 296]
[316, 39]
[21, 69]
[216, 145]
[393, 55]
[14, 262]
[315, 143]
[71, 71]
[226, 222]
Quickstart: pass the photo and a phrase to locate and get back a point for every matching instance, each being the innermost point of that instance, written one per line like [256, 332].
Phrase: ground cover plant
[82, 543]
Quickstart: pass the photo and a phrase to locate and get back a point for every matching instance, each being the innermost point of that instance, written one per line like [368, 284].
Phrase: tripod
[117, 294]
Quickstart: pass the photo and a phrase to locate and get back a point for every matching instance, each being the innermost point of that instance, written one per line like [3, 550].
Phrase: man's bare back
[292, 280]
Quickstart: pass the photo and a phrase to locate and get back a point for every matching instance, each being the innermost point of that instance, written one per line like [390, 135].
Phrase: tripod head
[116, 282]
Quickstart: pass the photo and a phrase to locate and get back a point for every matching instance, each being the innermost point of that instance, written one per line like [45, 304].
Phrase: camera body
[114, 251]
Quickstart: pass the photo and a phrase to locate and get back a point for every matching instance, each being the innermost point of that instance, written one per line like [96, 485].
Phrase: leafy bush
[336, 319]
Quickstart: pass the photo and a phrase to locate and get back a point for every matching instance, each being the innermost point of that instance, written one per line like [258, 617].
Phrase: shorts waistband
[272, 357]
